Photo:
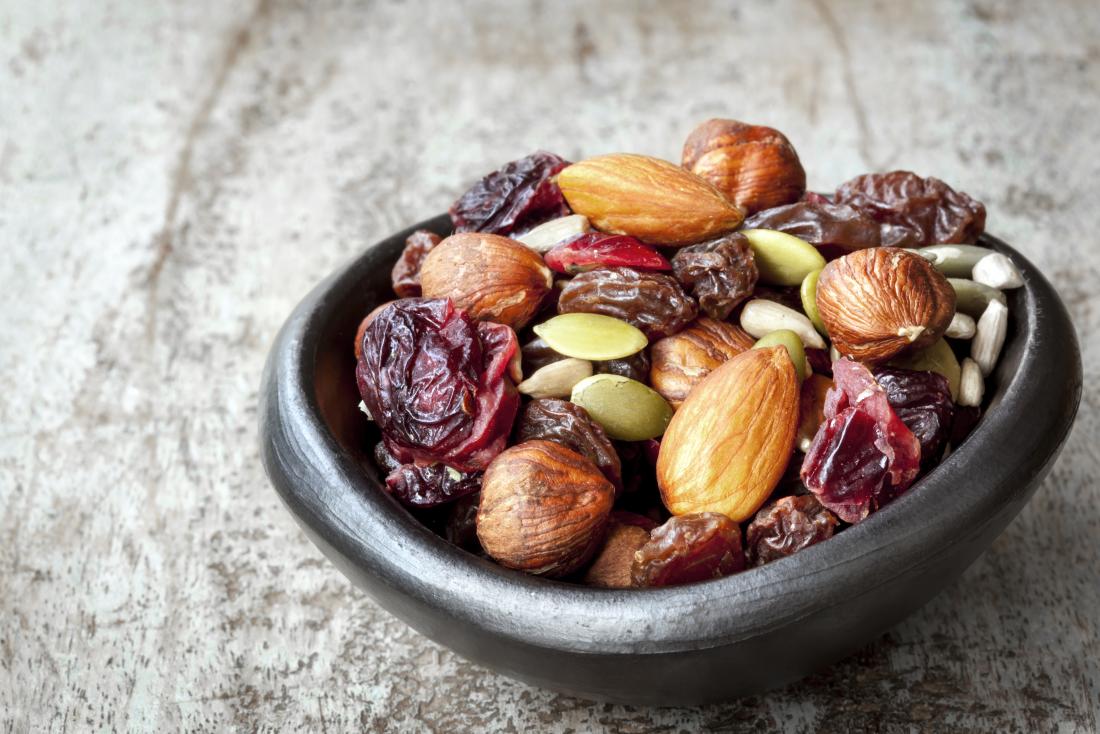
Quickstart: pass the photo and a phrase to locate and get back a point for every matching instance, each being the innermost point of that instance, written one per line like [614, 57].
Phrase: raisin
[568, 424]
[835, 229]
[785, 527]
[436, 383]
[966, 417]
[689, 548]
[720, 273]
[460, 525]
[536, 354]
[384, 458]
[514, 199]
[406, 271]
[653, 302]
[430, 485]
[598, 250]
[820, 361]
[636, 366]
[914, 211]
[863, 455]
[923, 402]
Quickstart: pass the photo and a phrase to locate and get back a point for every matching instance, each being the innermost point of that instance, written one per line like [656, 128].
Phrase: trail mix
[629, 373]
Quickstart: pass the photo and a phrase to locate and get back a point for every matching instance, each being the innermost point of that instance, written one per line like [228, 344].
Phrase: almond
[882, 301]
[648, 198]
[681, 361]
[727, 446]
[493, 278]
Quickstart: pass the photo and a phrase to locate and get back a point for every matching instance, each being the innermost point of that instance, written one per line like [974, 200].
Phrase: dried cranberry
[863, 456]
[436, 383]
[519, 196]
[786, 526]
[598, 250]
[966, 417]
[923, 402]
[406, 271]
[431, 485]
[689, 548]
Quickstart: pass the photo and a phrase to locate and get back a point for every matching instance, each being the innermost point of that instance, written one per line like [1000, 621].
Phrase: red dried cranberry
[923, 402]
[863, 456]
[431, 485]
[598, 250]
[514, 199]
[436, 383]
[406, 271]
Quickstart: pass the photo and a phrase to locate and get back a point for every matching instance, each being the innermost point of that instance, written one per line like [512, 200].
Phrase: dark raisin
[536, 354]
[923, 402]
[568, 424]
[720, 273]
[820, 361]
[689, 548]
[406, 271]
[786, 526]
[428, 486]
[460, 525]
[653, 302]
[966, 417]
[835, 229]
[519, 196]
[636, 366]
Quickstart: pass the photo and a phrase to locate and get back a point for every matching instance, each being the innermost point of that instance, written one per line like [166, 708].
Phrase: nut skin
[492, 278]
[611, 569]
[756, 167]
[544, 509]
[681, 361]
[882, 301]
[728, 444]
[656, 201]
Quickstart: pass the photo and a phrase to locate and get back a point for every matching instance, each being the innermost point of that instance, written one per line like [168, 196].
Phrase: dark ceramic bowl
[683, 645]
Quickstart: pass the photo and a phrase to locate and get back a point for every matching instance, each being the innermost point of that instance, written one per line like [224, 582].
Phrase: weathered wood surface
[174, 176]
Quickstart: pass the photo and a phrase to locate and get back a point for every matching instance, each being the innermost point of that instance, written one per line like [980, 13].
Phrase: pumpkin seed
[956, 261]
[627, 409]
[781, 258]
[591, 336]
[760, 317]
[808, 291]
[792, 343]
[556, 380]
[936, 358]
[971, 298]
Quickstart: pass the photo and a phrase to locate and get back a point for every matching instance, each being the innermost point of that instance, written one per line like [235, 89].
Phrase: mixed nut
[609, 374]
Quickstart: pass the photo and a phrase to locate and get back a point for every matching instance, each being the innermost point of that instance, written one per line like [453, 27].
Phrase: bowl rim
[329, 492]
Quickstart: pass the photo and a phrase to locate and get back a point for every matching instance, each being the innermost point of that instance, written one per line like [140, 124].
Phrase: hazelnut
[491, 277]
[756, 167]
[880, 302]
[544, 508]
[611, 568]
[681, 361]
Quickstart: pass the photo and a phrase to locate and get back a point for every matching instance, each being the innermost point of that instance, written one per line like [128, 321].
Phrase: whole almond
[727, 446]
[492, 278]
[648, 198]
[681, 361]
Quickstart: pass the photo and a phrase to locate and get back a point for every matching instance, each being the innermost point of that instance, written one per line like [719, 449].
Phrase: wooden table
[175, 176]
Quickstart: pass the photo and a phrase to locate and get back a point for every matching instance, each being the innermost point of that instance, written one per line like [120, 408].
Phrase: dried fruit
[727, 445]
[938, 358]
[720, 273]
[460, 524]
[835, 229]
[536, 354]
[781, 258]
[519, 196]
[863, 456]
[636, 366]
[406, 271]
[997, 271]
[956, 261]
[627, 409]
[362, 329]
[927, 210]
[436, 383]
[761, 317]
[597, 250]
[689, 548]
[972, 298]
[591, 336]
[653, 200]
[544, 509]
[923, 402]
[811, 409]
[653, 302]
[808, 292]
[430, 485]
[792, 343]
[971, 384]
[492, 278]
[555, 380]
[611, 567]
[563, 422]
[787, 526]
[549, 235]
[756, 167]
[989, 337]
[681, 361]
[880, 302]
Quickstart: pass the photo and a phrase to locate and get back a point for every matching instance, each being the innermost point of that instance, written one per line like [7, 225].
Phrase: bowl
[682, 645]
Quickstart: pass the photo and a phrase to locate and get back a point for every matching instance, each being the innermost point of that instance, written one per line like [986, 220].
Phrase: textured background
[175, 176]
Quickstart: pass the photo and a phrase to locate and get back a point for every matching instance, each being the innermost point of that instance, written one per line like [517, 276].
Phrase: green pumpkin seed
[808, 291]
[591, 336]
[972, 298]
[781, 258]
[627, 409]
[956, 261]
[793, 344]
[936, 358]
